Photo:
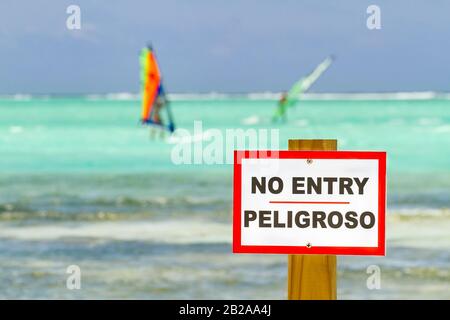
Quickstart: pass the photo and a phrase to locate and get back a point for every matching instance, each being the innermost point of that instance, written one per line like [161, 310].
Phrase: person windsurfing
[156, 119]
[281, 108]
[290, 98]
[154, 100]
[160, 102]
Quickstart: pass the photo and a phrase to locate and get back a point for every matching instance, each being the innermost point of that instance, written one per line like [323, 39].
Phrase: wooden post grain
[312, 277]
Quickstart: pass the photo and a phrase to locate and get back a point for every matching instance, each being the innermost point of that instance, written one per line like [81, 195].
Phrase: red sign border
[379, 250]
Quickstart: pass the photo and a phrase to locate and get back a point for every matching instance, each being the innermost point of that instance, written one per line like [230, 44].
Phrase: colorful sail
[153, 94]
[150, 80]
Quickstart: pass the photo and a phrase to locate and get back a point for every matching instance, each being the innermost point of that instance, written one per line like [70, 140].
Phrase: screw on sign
[318, 204]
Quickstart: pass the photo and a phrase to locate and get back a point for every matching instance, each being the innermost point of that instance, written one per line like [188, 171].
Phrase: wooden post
[312, 277]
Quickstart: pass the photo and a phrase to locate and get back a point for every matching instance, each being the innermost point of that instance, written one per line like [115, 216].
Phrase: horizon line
[259, 95]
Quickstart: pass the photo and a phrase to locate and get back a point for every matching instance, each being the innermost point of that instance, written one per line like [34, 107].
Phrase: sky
[224, 46]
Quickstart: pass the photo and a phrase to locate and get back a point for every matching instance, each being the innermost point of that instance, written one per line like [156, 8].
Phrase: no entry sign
[309, 202]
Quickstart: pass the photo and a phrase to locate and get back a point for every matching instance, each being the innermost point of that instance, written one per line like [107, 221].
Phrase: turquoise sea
[83, 183]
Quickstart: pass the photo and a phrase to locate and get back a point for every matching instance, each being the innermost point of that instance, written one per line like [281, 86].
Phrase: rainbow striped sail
[153, 96]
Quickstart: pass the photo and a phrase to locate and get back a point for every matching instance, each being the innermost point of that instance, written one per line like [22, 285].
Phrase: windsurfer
[290, 98]
[282, 106]
[159, 104]
[154, 102]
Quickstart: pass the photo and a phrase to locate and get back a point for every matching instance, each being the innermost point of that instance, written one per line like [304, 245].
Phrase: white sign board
[309, 202]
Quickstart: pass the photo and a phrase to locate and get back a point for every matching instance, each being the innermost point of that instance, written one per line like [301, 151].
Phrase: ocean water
[83, 183]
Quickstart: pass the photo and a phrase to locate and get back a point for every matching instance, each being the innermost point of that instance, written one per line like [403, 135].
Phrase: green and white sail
[302, 85]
